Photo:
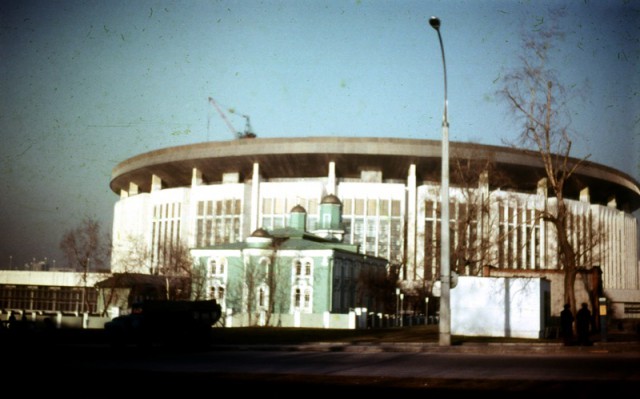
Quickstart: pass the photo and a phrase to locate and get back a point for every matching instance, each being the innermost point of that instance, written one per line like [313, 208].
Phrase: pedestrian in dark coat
[12, 321]
[583, 324]
[566, 324]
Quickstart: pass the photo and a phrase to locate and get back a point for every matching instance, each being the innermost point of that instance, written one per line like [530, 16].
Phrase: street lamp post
[444, 325]
[426, 310]
[397, 306]
[401, 310]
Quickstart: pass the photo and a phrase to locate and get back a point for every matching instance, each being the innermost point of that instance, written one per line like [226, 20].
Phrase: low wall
[299, 320]
[57, 319]
[357, 319]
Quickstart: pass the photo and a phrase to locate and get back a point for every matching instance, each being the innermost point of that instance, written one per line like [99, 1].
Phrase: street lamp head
[434, 22]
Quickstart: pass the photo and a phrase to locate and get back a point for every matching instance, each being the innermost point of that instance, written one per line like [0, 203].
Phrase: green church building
[291, 277]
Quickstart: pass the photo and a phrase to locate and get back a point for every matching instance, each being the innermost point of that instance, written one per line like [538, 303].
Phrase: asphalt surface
[80, 366]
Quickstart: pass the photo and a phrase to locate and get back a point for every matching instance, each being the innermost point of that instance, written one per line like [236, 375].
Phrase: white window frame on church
[217, 272]
[301, 298]
[262, 297]
[303, 269]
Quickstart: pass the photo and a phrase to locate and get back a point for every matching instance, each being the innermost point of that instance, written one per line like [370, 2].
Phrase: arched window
[264, 264]
[298, 268]
[213, 267]
[217, 292]
[297, 298]
[262, 297]
[301, 272]
[302, 299]
[216, 266]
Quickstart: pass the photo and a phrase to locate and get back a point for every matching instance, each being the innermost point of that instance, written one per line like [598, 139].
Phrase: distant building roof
[303, 157]
[260, 232]
[128, 280]
[331, 199]
[298, 209]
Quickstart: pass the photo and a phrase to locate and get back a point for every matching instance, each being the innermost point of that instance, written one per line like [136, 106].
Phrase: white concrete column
[331, 183]
[255, 197]
[412, 273]
[133, 189]
[542, 193]
[484, 218]
[633, 267]
[196, 177]
[584, 195]
[156, 183]
[618, 250]
[542, 188]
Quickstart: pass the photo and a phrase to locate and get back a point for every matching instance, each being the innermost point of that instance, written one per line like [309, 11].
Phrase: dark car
[166, 323]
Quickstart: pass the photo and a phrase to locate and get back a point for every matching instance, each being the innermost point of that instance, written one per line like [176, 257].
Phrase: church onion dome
[260, 238]
[298, 209]
[331, 199]
[260, 232]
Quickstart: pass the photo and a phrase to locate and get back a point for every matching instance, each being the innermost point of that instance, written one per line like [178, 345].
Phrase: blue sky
[88, 84]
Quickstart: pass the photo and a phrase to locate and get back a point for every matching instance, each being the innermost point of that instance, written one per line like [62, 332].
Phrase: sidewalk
[472, 347]
[615, 343]
[477, 347]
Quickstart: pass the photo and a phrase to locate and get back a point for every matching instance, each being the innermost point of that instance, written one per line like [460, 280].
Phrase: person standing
[583, 324]
[566, 324]
[12, 324]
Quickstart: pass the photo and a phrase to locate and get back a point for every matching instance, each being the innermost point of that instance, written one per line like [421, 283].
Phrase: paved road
[331, 369]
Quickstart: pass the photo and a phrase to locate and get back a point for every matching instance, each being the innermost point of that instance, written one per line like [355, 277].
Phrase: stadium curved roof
[509, 168]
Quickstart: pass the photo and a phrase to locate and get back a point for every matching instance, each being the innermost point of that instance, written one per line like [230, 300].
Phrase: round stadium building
[217, 193]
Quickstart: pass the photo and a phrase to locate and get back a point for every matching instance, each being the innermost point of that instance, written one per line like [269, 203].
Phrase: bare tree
[540, 103]
[277, 282]
[471, 245]
[175, 263]
[265, 286]
[250, 294]
[171, 260]
[264, 289]
[476, 229]
[374, 286]
[254, 278]
[87, 250]
[132, 256]
[114, 292]
[198, 282]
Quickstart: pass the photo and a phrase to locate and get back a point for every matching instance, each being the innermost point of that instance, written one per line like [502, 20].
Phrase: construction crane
[248, 131]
